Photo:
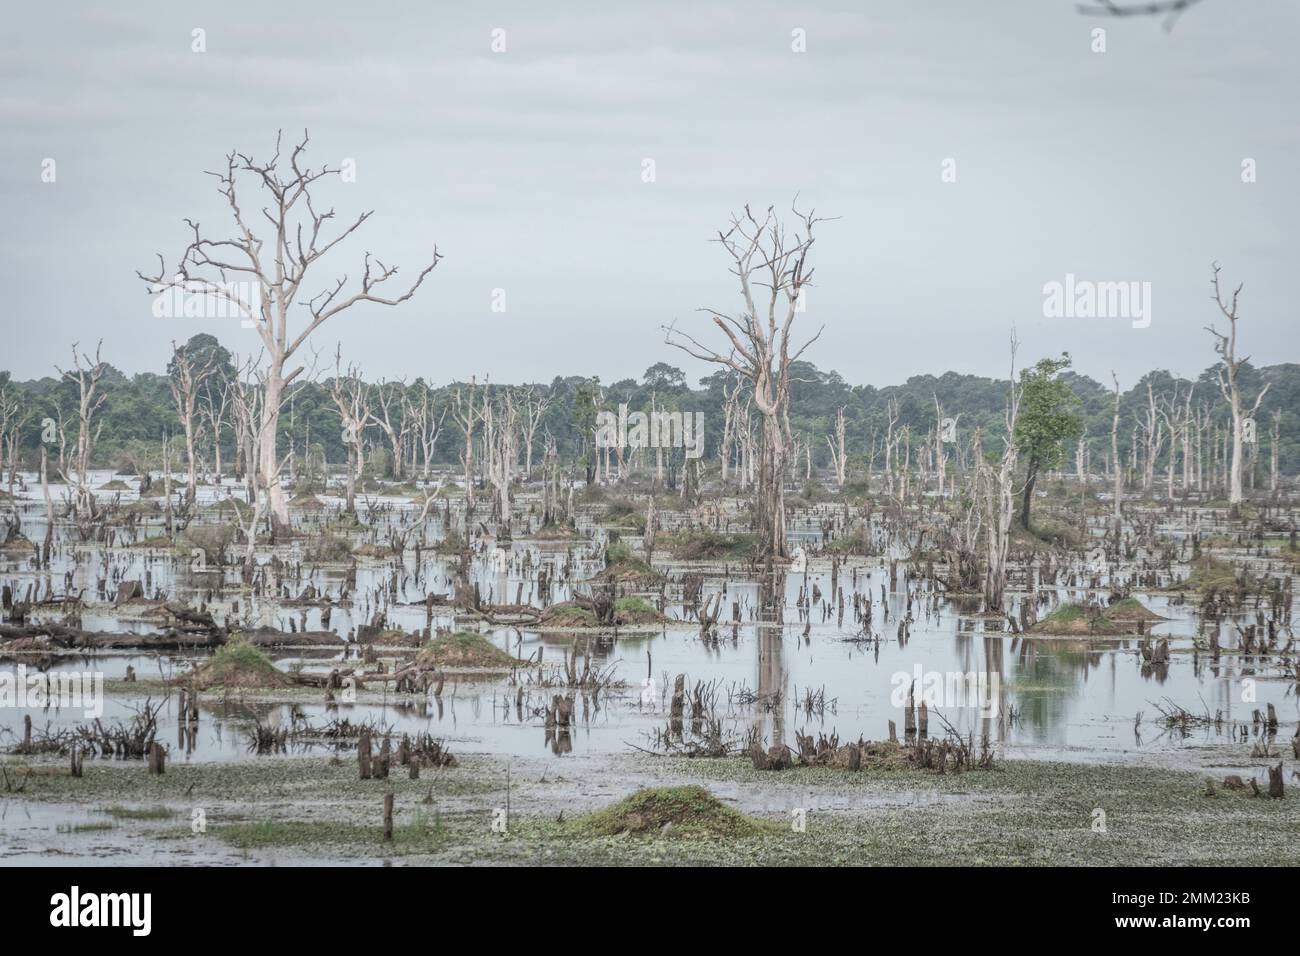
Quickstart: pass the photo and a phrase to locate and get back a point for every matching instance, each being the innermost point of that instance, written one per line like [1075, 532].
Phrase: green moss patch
[240, 665]
[465, 649]
[690, 811]
[709, 546]
[1130, 609]
[1071, 620]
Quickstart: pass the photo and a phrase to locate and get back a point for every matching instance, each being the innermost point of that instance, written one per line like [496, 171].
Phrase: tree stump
[388, 817]
[363, 754]
[1275, 779]
[157, 758]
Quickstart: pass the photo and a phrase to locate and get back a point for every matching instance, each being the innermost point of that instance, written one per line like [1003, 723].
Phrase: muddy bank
[316, 810]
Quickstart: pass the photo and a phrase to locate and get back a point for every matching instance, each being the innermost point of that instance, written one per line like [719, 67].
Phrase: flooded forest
[583, 435]
[253, 614]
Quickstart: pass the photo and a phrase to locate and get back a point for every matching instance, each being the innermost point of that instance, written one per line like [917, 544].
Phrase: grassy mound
[636, 610]
[556, 532]
[330, 549]
[18, 544]
[627, 611]
[1207, 574]
[625, 515]
[569, 614]
[1075, 620]
[1130, 609]
[241, 665]
[115, 485]
[464, 649]
[622, 565]
[687, 811]
[395, 637]
[708, 545]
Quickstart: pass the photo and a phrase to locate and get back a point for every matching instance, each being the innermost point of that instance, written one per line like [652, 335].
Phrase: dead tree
[86, 374]
[1229, 369]
[13, 416]
[1171, 10]
[999, 500]
[501, 441]
[273, 277]
[941, 430]
[216, 403]
[550, 484]
[391, 420]
[250, 394]
[465, 414]
[186, 378]
[839, 461]
[651, 531]
[426, 422]
[352, 400]
[730, 424]
[891, 442]
[1117, 491]
[1153, 439]
[772, 266]
[534, 407]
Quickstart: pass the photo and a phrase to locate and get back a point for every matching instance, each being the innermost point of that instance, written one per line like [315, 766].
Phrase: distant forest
[139, 411]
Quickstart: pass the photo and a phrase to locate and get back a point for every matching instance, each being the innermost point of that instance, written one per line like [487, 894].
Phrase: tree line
[411, 427]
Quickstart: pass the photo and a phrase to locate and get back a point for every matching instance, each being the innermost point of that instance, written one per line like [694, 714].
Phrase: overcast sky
[526, 168]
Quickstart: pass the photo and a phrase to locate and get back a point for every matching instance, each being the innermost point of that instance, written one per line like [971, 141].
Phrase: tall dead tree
[466, 414]
[186, 378]
[839, 459]
[534, 407]
[271, 273]
[426, 422]
[13, 416]
[1274, 440]
[771, 263]
[352, 399]
[86, 374]
[501, 442]
[730, 424]
[1117, 491]
[1000, 500]
[1228, 371]
[944, 432]
[216, 402]
[249, 394]
[392, 420]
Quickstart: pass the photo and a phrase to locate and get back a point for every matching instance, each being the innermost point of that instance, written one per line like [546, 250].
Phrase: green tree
[1048, 419]
[583, 412]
